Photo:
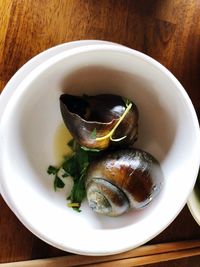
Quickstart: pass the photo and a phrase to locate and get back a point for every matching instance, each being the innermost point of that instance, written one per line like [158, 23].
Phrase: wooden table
[167, 30]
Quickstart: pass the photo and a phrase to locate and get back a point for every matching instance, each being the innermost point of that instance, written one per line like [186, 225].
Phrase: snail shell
[83, 115]
[122, 180]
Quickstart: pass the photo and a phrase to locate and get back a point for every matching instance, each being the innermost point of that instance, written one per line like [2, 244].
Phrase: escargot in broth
[122, 180]
[100, 121]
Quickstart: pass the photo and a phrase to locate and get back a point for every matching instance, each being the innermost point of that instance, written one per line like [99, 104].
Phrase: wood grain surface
[167, 30]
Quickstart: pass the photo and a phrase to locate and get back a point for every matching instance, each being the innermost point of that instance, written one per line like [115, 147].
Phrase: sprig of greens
[110, 134]
[58, 183]
[74, 165]
[93, 134]
[90, 149]
[52, 170]
[126, 101]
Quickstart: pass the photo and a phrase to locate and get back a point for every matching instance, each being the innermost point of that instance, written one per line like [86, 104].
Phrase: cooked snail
[122, 180]
[100, 121]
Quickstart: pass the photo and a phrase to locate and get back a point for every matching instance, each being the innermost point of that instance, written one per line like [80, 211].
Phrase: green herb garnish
[52, 170]
[93, 134]
[70, 166]
[58, 183]
[110, 134]
[90, 149]
[126, 101]
[74, 165]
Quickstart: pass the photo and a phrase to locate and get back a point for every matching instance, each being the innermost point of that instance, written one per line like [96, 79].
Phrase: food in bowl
[104, 165]
[100, 121]
[122, 180]
[30, 123]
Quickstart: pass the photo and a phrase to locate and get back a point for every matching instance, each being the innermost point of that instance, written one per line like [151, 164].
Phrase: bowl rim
[96, 47]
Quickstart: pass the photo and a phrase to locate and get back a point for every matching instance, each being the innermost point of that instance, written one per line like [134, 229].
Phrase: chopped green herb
[70, 166]
[126, 101]
[78, 191]
[68, 198]
[74, 165]
[65, 174]
[77, 209]
[93, 134]
[52, 170]
[73, 205]
[90, 149]
[110, 134]
[58, 183]
[82, 159]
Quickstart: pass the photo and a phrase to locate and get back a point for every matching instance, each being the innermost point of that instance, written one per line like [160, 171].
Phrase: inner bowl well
[33, 115]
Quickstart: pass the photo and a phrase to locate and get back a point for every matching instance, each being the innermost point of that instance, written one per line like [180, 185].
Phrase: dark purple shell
[91, 117]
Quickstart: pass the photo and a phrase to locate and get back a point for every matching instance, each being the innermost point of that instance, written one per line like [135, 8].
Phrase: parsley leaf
[126, 101]
[82, 159]
[70, 166]
[66, 174]
[90, 149]
[58, 183]
[78, 192]
[93, 134]
[76, 209]
[52, 170]
[74, 165]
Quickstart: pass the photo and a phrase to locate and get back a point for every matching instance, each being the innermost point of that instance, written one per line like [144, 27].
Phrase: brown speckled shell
[135, 172]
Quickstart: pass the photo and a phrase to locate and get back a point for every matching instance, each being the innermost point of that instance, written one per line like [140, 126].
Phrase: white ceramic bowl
[168, 128]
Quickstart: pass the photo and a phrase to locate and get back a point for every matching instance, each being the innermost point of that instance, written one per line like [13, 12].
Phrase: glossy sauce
[61, 149]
